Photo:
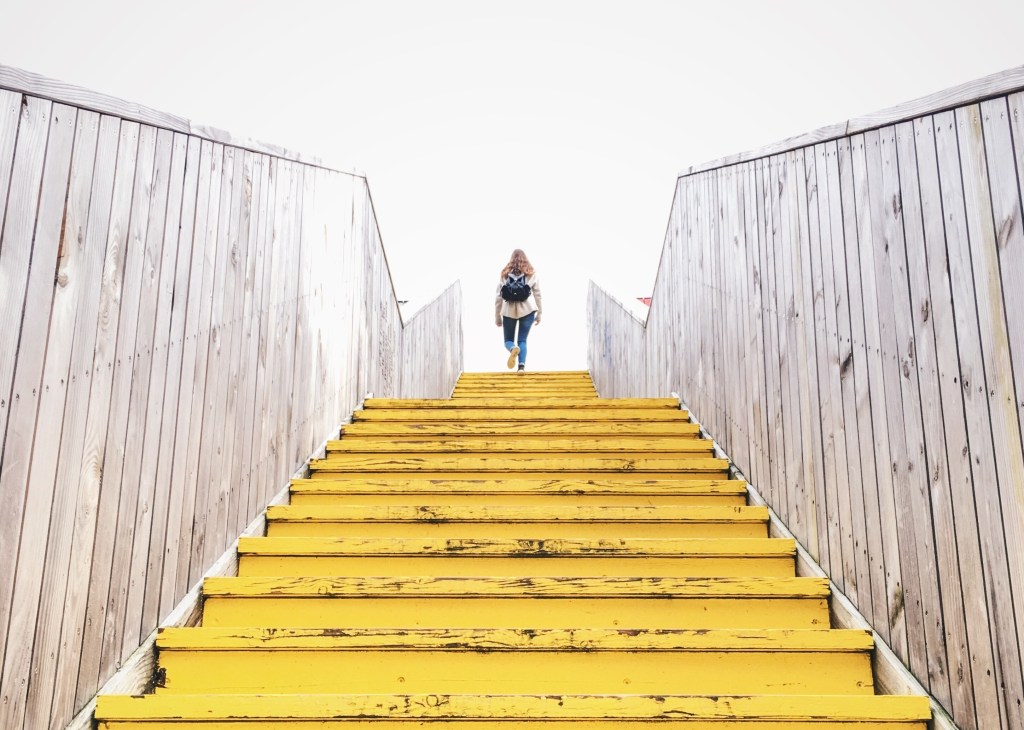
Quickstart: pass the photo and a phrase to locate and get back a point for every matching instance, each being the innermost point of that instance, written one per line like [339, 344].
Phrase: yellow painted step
[501, 429]
[521, 463]
[476, 712]
[482, 557]
[524, 444]
[453, 411]
[557, 392]
[611, 490]
[549, 521]
[517, 602]
[597, 404]
[596, 661]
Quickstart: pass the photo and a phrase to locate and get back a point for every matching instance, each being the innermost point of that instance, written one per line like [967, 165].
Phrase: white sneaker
[513, 356]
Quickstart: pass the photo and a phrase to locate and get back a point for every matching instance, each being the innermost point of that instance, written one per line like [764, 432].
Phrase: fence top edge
[33, 84]
[597, 288]
[1000, 83]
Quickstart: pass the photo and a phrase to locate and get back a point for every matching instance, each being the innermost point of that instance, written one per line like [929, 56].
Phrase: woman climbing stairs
[522, 553]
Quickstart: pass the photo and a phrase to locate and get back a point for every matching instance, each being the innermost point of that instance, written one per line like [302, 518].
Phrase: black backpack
[515, 288]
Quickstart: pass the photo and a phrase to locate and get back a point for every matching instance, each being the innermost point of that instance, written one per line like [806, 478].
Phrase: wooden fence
[845, 313]
[183, 319]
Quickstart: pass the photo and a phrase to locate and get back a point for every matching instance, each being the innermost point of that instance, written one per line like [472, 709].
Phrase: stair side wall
[186, 317]
[843, 312]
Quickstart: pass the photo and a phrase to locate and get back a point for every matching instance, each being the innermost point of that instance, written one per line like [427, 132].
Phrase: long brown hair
[518, 262]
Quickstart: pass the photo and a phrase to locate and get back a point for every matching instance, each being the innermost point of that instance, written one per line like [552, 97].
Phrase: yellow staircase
[522, 554]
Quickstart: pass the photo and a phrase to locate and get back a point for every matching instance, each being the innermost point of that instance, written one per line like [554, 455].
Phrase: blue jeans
[509, 326]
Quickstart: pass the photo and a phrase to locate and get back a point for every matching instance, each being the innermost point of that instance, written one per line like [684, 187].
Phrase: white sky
[557, 127]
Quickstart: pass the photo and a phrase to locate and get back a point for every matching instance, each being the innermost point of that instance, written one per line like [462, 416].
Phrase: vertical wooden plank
[188, 295]
[143, 436]
[70, 293]
[970, 450]
[756, 298]
[997, 388]
[125, 291]
[261, 333]
[1002, 268]
[897, 344]
[231, 457]
[287, 462]
[1011, 234]
[865, 503]
[773, 396]
[782, 193]
[886, 412]
[18, 226]
[932, 647]
[960, 699]
[210, 512]
[161, 418]
[193, 509]
[815, 323]
[197, 349]
[810, 411]
[743, 418]
[251, 305]
[857, 584]
[31, 500]
[10, 115]
[101, 373]
[300, 398]
[267, 324]
[76, 469]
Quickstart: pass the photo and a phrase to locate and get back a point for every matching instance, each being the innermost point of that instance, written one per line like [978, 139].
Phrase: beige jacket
[515, 310]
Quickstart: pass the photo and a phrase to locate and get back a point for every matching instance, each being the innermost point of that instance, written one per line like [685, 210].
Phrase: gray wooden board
[70, 295]
[816, 324]
[31, 499]
[955, 691]
[160, 421]
[76, 466]
[902, 413]
[213, 466]
[1001, 312]
[192, 390]
[1005, 512]
[10, 115]
[886, 409]
[1011, 249]
[97, 507]
[211, 404]
[18, 227]
[249, 346]
[969, 448]
[924, 610]
[184, 346]
[143, 435]
[864, 500]
[810, 400]
[101, 639]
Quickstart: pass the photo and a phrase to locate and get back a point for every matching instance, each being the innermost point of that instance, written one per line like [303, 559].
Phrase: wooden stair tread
[507, 707]
[515, 640]
[526, 548]
[518, 586]
[516, 513]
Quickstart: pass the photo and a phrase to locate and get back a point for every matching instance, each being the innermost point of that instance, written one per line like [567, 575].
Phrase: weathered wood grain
[26, 398]
[888, 433]
[71, 297]
[138, 257]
